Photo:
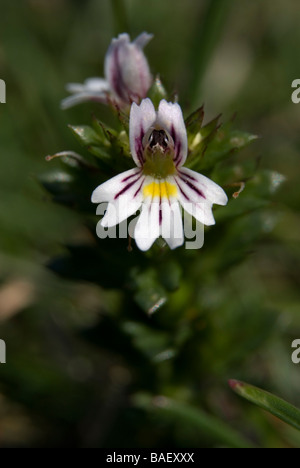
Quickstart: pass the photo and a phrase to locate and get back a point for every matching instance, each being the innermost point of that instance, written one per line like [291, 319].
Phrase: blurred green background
[86, 367]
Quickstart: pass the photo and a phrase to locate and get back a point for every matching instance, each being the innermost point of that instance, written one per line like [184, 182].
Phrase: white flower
[127, 75]
[159, 185]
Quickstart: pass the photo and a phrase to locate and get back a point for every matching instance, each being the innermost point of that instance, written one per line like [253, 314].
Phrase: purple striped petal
[123, 194]
[194, 203]
[203, 186]
[170, 118]
[141, 119]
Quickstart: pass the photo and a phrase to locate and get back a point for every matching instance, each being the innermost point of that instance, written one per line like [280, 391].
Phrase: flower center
[159, 154]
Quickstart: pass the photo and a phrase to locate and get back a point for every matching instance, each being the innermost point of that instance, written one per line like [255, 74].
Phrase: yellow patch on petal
[160, 189]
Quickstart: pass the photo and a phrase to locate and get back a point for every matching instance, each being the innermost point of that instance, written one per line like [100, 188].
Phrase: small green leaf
[85, 134]
[210, 127]
[105, 134]
[194, 122]
[114, 143]
[157, 92]
[123, 143]
[124, 119]
[224, 144]
[100, 152]
[199, 140]
[214, 144]
[269, 402]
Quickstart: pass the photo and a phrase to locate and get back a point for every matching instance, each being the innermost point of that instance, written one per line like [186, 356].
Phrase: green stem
[205, 39]
[120, 16]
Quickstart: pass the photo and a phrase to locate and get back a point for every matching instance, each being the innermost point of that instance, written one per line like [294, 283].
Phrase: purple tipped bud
[126, 68]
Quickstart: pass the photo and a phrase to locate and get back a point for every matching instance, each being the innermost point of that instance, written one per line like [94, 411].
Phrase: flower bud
[126, 68]
[127, 76]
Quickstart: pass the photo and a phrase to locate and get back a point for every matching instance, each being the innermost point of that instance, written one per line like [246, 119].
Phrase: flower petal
[170, 118]
[122, 209]
[82, 97]
[136, 75]
[211, 191]
[93, 89]
[109, 189]
[112, 70]
[193, 201]
[201, 211]
[142, 40]
[171, 224]
[93, 85]
[124, 194]
[142, 117]
[147, 229]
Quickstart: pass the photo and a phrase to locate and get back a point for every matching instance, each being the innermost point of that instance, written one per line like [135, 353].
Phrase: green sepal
[157, 92]
[85, 134]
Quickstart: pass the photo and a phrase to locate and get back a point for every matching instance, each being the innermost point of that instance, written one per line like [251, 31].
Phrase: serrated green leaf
[100, 152]
[223, 143]
[199, 141]
[124, 119]
[269, 402]
[115, 144]
[123, 143]
[85, 134]
[106, 135]
[193, 123]
[210, 127]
